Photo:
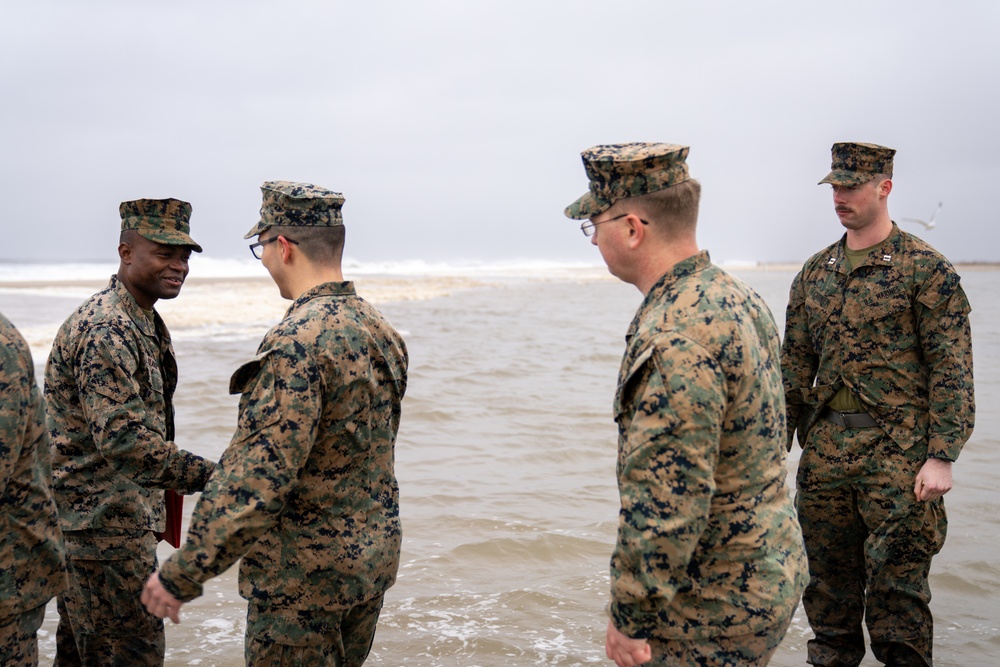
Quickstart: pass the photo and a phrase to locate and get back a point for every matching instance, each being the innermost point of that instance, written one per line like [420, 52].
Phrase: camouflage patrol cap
[164, 221]
[297, 205]
[854, 163]
[617, 171]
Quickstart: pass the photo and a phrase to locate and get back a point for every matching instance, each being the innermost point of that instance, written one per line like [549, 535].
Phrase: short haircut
[320, 245]
[128, 236]
[674, 210]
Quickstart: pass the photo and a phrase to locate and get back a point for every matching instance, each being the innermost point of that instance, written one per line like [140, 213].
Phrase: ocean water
[505, 456]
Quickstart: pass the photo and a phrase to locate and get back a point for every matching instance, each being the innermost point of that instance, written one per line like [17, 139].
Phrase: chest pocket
[823, 304]
[255, 380]
[152, 377]
[881, 308]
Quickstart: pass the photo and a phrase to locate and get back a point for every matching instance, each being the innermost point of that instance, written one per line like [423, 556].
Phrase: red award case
[175, 509]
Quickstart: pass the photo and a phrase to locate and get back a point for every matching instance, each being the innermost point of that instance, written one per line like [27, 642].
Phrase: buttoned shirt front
[109, 384]
[895, 331]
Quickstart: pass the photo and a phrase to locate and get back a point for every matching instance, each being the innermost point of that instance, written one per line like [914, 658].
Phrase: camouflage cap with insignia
[161, 220]
[297, 205]
[857, 163]
[617, 171]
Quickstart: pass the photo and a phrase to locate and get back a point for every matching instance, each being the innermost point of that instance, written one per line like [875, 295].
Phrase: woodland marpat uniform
[307, 488]
[306, 493]
[109, 383]
[32, 567]
[877, 366]
[895, 331]
[708, 542]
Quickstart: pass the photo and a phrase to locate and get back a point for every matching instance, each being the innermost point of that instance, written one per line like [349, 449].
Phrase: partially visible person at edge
[306, 493]
[32, 565]
[109, 384]
[708, 565]
[877, 364]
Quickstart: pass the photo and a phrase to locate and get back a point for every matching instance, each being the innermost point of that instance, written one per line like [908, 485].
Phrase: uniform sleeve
[13, 409]
[279, 414]
[799, 361]
[666, 477]
[115, 408]
[946, 340]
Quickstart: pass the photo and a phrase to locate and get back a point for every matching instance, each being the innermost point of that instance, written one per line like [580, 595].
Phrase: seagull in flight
[928, 224]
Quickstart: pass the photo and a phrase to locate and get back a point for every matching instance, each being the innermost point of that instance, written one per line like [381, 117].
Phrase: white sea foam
[222, 302]
[215, 267]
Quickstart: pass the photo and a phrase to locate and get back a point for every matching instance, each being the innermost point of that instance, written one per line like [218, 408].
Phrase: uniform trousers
[869, 542]
[19, 637]
[749, 650]
[102, 623]
[295, 638]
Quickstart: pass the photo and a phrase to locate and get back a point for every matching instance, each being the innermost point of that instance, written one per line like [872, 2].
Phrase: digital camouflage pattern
[894, 331]
[749, 650]
[32, 569]
[306, 492]
[617, 171]
[708, 541]
[857, 163]
[164, 221]
[107, 622]
[297, 205]
[870, 544]
[19, 637]
[288, 637]
[109, 383]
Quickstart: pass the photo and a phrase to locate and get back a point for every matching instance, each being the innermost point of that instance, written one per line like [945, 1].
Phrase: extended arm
[116, 406]
[278, 419]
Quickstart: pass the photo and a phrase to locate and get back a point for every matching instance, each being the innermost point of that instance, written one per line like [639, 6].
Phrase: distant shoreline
[101, 282]
[474, 277]
[792, 266]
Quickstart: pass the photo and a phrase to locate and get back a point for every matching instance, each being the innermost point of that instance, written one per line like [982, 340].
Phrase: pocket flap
[626, 378]
[247, 373]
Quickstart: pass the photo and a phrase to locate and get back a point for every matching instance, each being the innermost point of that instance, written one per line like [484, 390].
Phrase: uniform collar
[885, 253]
[681, 269]
[660, 291]
[345, 288]
[135, 313]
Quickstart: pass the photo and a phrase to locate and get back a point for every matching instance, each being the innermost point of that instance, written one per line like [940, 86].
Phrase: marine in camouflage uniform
[877, 363]
[709, 563]
[32, 565]
[109, 384]
[306, 493]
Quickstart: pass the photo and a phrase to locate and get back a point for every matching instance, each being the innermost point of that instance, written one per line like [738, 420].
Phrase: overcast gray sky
[454, 128]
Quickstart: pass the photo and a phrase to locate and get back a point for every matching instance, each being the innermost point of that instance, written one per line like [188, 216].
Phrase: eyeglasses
[588, 227]
[257, 249]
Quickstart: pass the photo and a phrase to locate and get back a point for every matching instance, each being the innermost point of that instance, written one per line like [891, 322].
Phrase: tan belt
[849, 419]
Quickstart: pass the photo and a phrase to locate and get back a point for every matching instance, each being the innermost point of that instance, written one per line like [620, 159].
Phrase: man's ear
[286, 249]
[636, 230]
[885, 187]
[125, 252]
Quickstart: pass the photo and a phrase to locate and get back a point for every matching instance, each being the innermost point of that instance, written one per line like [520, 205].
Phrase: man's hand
[159, 602]
[933, 480]
[624, 651]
